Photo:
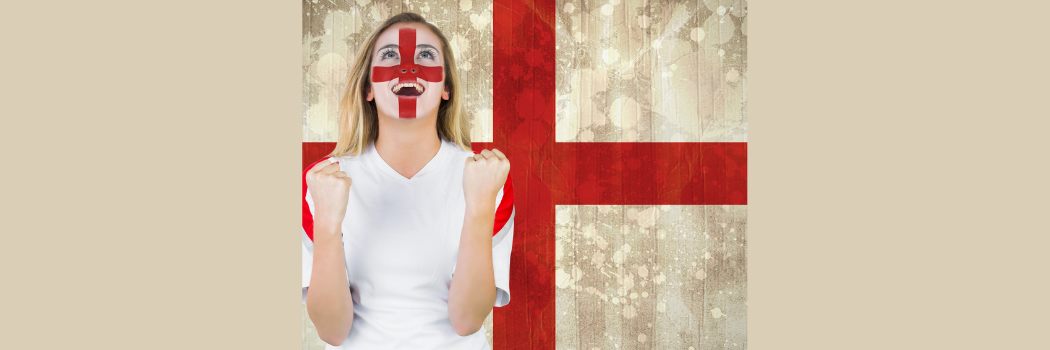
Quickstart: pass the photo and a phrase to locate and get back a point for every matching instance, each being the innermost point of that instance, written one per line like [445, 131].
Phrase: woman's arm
[473, 289]
[328, 299]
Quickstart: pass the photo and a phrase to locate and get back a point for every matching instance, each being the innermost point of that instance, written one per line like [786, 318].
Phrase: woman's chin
[396, 114]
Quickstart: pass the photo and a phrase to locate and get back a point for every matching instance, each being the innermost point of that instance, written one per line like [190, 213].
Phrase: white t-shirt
[401, 240]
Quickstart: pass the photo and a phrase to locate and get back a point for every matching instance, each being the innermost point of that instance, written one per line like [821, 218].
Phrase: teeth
[398, 87]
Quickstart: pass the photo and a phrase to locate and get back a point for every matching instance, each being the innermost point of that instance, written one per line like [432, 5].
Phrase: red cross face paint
[408, 80]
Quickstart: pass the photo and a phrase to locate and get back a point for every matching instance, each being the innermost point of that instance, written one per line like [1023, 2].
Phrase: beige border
[896, 199]
[154, 173]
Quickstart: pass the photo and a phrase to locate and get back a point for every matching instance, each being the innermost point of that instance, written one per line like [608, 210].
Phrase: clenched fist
[330, 189]
[483, 175]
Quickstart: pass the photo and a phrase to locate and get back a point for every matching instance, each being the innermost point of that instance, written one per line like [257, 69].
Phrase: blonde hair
[359, 120]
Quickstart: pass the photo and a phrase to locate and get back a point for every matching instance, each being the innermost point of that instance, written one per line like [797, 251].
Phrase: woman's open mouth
[408, 89]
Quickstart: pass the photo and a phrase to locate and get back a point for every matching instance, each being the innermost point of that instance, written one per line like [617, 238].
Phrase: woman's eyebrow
[395, 46]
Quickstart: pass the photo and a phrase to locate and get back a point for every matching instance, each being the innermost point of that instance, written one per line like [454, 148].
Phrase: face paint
[407, 72]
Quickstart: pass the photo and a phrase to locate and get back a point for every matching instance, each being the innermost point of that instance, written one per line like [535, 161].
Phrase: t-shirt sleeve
[502, 242]
[308, 266]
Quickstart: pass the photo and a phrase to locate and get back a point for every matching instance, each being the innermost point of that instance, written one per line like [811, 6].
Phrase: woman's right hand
[330, 189]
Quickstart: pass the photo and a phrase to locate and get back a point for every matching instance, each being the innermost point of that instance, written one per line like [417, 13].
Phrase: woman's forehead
[391, 36]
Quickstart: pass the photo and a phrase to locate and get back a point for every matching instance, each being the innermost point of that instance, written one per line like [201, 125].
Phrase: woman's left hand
[483, 176]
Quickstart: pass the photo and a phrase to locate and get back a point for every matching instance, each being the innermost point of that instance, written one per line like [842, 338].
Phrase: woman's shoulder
[348, 158]
[343, 160]
[459, 152]
[456, 150]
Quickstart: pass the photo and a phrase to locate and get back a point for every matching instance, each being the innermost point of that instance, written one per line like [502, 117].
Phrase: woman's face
[407, 72]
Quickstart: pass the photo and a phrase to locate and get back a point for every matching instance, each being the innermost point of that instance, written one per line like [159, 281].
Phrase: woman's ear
[368, 93]
[444, 93]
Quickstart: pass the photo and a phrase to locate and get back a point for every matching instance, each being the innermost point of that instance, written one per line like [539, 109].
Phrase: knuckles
[324, 180]
[491, 167]
[488, 165]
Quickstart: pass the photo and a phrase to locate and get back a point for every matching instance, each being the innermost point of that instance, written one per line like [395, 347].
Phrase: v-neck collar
[386, 168]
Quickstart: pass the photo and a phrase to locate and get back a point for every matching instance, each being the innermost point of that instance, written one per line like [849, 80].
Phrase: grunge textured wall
[623, 276]
[651, 277]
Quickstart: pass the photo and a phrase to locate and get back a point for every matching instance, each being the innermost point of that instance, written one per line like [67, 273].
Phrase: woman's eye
[426, 54]
[390, 55]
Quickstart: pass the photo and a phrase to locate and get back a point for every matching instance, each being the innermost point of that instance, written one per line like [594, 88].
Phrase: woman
[402, 202]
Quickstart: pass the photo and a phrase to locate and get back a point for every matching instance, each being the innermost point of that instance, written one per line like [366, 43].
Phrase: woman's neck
[407, 144]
